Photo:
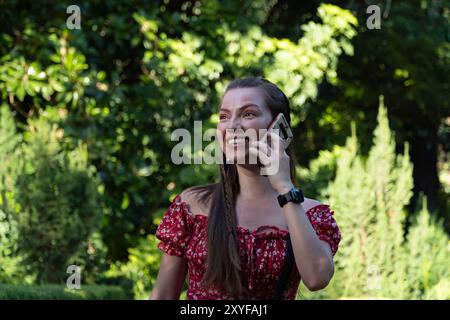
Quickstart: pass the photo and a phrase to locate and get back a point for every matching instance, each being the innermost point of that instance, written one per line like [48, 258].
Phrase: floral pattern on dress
[262, 251]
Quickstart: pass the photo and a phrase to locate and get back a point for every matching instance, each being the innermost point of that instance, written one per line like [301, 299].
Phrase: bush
[121, 281]
[58, 202]
[428, 257]
[378, 257]
[11, 270]
[142, 267]
[59, 292]
[317, 176]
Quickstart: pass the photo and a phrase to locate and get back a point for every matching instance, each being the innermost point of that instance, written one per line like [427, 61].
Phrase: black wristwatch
[295, 195]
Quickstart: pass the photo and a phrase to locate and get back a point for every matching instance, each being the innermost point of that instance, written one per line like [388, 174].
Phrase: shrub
[370, 196]
[378, 257]
[317, 176]
[142, 267]
[58, 202]
[428, 258]
[59, 292]
[11, 270]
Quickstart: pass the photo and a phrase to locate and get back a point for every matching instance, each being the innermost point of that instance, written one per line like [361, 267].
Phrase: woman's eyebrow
[242, 107]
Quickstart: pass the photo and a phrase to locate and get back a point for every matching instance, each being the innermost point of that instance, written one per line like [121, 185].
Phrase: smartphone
[284, 130]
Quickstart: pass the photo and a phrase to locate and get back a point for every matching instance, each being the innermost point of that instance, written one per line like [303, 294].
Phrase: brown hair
[223, 269]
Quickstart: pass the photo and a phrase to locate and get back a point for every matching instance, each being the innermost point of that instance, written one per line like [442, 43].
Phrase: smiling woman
[231, 237]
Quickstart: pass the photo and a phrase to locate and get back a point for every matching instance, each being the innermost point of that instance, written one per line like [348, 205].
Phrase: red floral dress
[262, 251]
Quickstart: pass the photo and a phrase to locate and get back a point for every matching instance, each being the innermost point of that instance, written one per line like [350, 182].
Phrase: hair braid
[223, 268]
[226, 194]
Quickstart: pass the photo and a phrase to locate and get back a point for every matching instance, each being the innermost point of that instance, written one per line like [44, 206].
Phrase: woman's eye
[222, 117]
[249, 114]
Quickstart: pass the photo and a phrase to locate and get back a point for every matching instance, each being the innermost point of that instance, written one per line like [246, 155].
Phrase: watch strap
[295, 195]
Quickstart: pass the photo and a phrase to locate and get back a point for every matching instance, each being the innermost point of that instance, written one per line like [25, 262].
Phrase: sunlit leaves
[136, 73]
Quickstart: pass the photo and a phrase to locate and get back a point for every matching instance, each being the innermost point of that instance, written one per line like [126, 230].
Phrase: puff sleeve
[323, 222]
[174, 231]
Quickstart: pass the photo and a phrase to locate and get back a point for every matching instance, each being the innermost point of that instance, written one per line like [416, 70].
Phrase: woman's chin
[241, 157]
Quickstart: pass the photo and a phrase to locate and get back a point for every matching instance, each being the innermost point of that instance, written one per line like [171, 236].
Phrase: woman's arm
[170, 280]
[313, 256]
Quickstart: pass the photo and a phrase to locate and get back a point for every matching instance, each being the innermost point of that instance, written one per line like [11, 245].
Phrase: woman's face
[241, 108]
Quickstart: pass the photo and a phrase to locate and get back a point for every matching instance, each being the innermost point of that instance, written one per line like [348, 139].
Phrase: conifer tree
[9, 140]
[370, 196]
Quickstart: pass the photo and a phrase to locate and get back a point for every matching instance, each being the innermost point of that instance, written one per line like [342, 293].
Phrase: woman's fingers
[263, 146]
[266, 153]
[271, 143]
[258, 154]
[276, 142]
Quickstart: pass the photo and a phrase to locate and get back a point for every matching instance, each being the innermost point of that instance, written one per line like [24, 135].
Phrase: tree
[135, 72]
[409, 63]
[406, 61]
[58, 203]
[377, 256]
[10, 258]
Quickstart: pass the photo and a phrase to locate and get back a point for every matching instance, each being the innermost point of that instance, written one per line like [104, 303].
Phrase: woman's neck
[252, 184]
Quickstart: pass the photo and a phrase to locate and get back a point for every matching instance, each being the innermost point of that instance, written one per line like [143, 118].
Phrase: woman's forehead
[241, 96]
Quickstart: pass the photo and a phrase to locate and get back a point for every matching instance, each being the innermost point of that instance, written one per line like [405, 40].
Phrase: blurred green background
[86, 117]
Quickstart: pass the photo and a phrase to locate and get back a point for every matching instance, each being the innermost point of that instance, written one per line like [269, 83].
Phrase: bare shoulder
[191, 197]
[310, 203]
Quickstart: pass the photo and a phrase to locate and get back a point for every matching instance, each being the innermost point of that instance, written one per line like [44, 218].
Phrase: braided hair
[223, 268]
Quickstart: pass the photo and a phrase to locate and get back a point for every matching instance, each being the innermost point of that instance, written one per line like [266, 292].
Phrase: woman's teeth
[235, 141]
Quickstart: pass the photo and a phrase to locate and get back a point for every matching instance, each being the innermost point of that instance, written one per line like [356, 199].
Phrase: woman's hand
[275, 161]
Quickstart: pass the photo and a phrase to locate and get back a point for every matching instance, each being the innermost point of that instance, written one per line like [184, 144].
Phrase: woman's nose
[234, 123]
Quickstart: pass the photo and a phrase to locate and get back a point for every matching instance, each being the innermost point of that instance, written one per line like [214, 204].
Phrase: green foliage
[58, 292]
[320, 171]
[300, 68]
[142, 267]
[92, 257]
[11, 270]
[9, 259]
[134, 73]
[58, 202]
[376, 259]
[429, 257]
[118, 87]
[407, 61]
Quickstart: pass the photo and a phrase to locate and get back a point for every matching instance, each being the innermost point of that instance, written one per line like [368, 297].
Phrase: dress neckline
[177, 199]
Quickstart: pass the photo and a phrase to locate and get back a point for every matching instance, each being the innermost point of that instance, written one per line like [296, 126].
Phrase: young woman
[231, 237]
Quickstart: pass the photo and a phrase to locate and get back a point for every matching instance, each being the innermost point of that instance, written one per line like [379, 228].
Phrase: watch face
[297, 195]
